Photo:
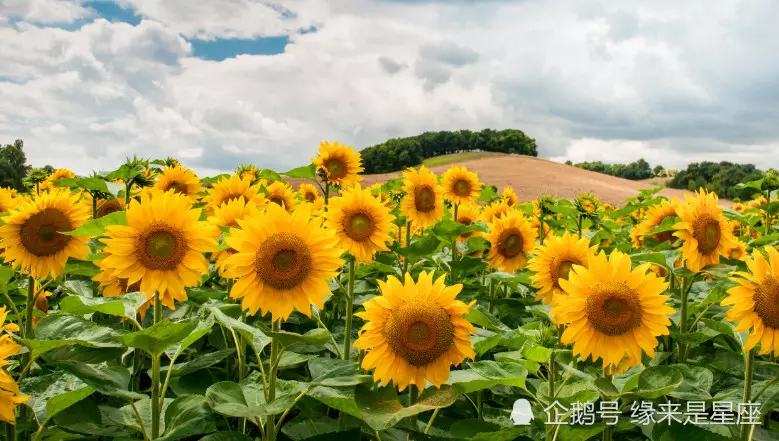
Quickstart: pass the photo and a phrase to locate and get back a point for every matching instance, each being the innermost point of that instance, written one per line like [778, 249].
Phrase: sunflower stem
[10, 432]
[579, 220]
[541, 234]
[552, 373]
[684, 285]
[94, 206]
[608, 432]
[746, 429]
[348, 313]
[156, 399]
[454, 248]
[327, 193]
[430, 421]
[270, 432]
[491, 294]
[408, 242]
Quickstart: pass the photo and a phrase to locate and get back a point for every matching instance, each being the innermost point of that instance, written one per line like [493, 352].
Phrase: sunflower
[495, 211]
[756, 301]
[282, 261]
[613, 312]
[9, 391]
[112, 286]
[110, 206]
[414, 332]
[587, 204]
[362, 224]
[423, 204]
[7, 202]
[704, 230]
[379, 193]
[282, 194]
[738, 252]
[227, 216]
[179, 179]
[554, 260]
[247, 171]
[654, 218]
[49, 183]
[232, 188]
[511, 239]
[339, 163]
[466, 215]
[510, 197]
[31, 234]
[162, 245]
[460, 185]
[308, 192]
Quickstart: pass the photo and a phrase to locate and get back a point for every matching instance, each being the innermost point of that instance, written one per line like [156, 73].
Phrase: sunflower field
[147, 303]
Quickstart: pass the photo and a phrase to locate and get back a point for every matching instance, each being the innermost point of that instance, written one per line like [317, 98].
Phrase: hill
[532, 177]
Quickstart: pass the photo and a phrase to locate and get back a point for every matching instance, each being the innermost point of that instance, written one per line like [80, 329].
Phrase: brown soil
[532, 177]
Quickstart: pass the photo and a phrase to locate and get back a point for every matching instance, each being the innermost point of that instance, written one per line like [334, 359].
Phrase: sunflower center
[735, 253]
[424, 199]
[706, 231]
[767, 302]
[563, 271]
[310, 197]
[336, 169]
[359, 227]
[283, 261]
[161, 247]
[613, 308]
[40, 233]
[278, 200]
[178, 187]
[462, 188]
[109, 207]
[419, 333]
[510, 243]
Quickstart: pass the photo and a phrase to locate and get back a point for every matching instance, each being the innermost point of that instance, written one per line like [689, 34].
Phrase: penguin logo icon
[521, 414]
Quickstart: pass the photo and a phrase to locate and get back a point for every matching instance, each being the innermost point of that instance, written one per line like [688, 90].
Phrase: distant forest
[400, 153]
[721, 178]
[634, 171]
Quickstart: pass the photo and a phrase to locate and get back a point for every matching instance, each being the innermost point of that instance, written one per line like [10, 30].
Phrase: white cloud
[44, 11]
[590, 80]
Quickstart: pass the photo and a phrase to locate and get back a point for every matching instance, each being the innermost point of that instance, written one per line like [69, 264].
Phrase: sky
[217, 83]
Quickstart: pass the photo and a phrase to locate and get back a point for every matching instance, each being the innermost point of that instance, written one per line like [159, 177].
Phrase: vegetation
[13, 165]
[399, 153]
[634, 171]
[721, 178]
[457, 157]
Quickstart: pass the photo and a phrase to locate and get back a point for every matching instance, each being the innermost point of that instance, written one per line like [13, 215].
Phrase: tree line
[634, 171]
[721, 178]
[400, 153]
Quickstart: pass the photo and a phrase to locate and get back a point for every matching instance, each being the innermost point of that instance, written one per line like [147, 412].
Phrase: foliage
[721, 178]
[399, 153]
[634, 171]
[13, 165]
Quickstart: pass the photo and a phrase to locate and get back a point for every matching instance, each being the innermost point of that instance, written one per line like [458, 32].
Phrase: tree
[48, 169]
[659, 170]
[13, 165]
[721, 178]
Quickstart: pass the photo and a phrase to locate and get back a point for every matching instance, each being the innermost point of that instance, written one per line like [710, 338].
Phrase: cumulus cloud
[590, 80]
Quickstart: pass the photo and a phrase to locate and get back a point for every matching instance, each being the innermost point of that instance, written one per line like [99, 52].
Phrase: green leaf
[656, 381]
[762, 240]
[247, 399]
[687, 432]
[336, 373]
[96, 227]
[480, 316]
[156, 339]
[58, 330]
[188, 416]
[203, 327]
[535, 352]
[86, 418]
[304, 172]
[314, 337]
[381, 409]
[449, 230]
[227, 436]
[126, 305]
[697, 383]
[420, 248]
[51, 394]
[83, 268]
[112, 381]
[486, 374]
[258, 338]
[200, 362]
[270, 174]
[126, 415]
[487, 194]
[6, 272]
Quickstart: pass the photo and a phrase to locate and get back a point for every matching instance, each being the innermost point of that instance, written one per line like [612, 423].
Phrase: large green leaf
[126, 305]
[258, 338]
[52, 393]
[188, 416]
[226, 436]
[198, 363]
[86, 418]
[336, 373]
[314, 337]
[108, 380]
[697, 383]
[480, 316]
[58, 330]
[96, 227]
[127, 417]
[420, 248]
[304, 172]
[156, 339]
[656, 381]
[486, 374]
[381, 409]
[203, 327]
[247, 399]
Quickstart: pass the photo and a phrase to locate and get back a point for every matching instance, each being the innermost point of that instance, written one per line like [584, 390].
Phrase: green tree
[13, 165]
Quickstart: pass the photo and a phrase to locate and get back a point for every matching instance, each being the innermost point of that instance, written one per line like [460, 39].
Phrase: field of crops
[147, 303]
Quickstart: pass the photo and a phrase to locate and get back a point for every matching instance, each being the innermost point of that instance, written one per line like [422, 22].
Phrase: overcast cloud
[669, 81]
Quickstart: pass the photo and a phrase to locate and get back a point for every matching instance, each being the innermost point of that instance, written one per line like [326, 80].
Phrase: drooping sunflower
[162, 245]
[510, 197]
[9, 391]
[423, 203]
[110, 206]
[232, 188]
[227, 215]
[31, 234]
[704, 230]
[282, 261]
[362, 224]
[587, 204]
[756, 301]
[612, 312]
[308, 192]
[554, 260]
[414, 332]
[248, 171]
[460, 185]
[466, 215]
[179, 179]
[494, 211]
[339, 163]
[282, 194]
[654, 218]
[511, 240]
